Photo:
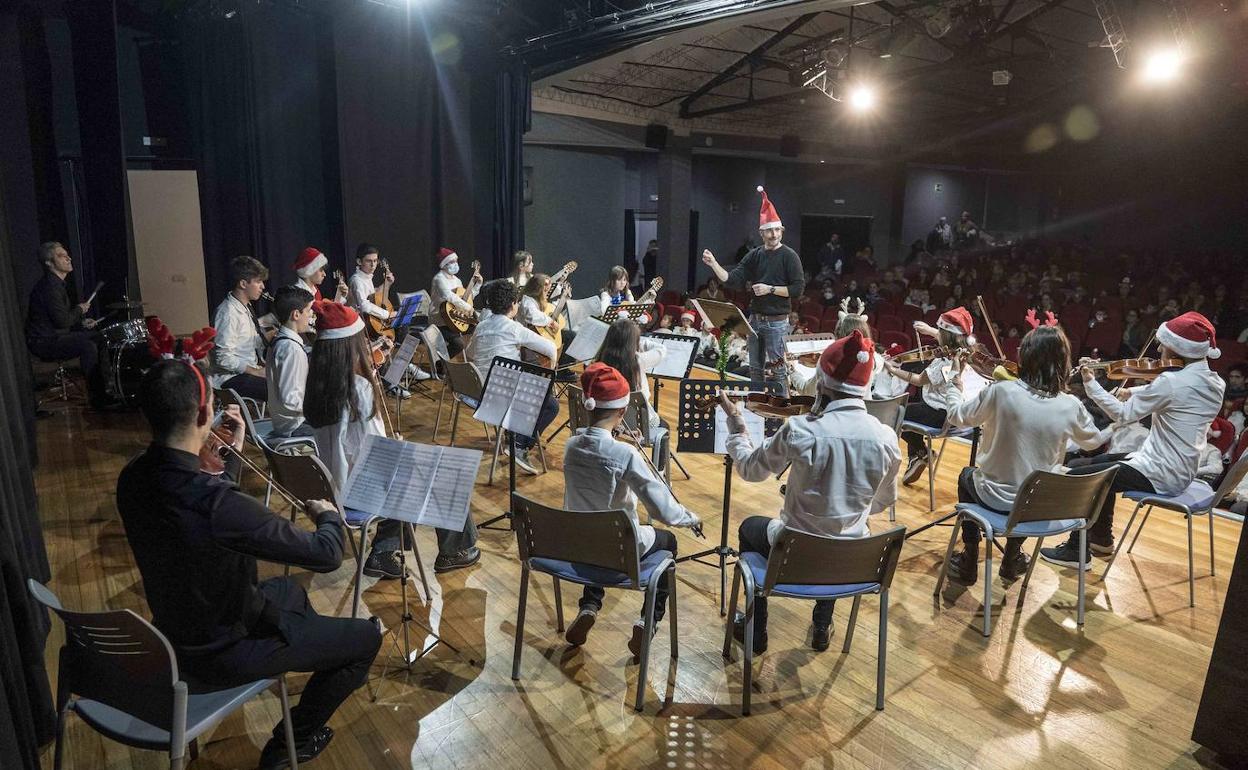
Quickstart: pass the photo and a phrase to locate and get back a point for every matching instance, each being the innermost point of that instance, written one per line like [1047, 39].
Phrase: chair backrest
[578, 415]
[303, 475]
[226, 396]
[116, 658]
[1231, 479]
[890, 411]
[606, 539]
[465, 379]
[436, 345]
[1048, 496]
[252, 433]
[637, 415]
[801, 559]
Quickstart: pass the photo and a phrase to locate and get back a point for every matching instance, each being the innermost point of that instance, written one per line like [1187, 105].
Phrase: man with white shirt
[239, 344]
[362, 289]
[286, 365]
[1182, 403]
[842, 468]
[499, 334]
[445, 288]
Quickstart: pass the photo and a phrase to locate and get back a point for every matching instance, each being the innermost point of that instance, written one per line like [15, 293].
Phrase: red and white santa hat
[335, 320]
[846, 365]
[688, 315]
[958, 321]
[446, 257]
[767, 216]
[1190, 336]
[309, 262]
[604, 387]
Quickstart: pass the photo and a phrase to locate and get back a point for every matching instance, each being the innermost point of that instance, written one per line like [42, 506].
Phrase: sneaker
[915, 469]
[565, 375]
[821, 637]
[418, 374]
[274, 755]
[1066, 554]
[384, 564]
[964, 568]
[523, 462]
[579, 630]
[457, 560]
[1101, 549]
[1014, 567]
[400, 392]
[738, 633]
[639, 634]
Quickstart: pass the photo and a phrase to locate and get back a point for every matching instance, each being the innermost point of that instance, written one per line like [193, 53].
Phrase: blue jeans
[765, 346]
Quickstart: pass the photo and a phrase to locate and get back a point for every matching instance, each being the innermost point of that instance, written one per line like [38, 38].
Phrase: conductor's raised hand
[708, 258]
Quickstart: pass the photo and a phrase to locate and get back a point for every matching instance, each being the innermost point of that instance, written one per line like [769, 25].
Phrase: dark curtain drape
[514, 119]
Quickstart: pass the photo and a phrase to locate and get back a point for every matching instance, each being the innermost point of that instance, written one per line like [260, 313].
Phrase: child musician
[602, 474]
[310, 274]
[444, 289]
[842, 467]
[286, 364]
[537, 312]
[1026, 426]
[341, 406]
[1182, 403]
[953, 332]
[629, 353]
[616, 290]
[236, 360]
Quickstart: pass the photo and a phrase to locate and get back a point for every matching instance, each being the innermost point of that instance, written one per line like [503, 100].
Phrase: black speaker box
[656, 136]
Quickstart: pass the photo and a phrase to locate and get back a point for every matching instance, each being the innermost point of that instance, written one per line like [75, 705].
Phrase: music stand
[511, 400]
[724, 316]
[583, 349]
[397, 368]
[676, 365]
[633, 310]
[407, 309]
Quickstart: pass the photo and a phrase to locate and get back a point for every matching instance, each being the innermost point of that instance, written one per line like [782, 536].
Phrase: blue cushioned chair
[892, 413]
[1198, 499]
[1047, 504]
[259, 430]
[930, 435]
[591, 548]
[803, 566]
[125, 676]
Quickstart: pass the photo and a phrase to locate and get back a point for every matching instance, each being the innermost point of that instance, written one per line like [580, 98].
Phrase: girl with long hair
[615, 291]
[542, 316]
[631, 355]
[521, 268]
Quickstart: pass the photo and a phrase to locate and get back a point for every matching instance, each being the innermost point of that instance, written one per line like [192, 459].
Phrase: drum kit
[128, 357]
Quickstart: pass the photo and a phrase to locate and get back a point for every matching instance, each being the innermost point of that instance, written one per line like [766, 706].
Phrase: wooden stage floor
[1122, 693]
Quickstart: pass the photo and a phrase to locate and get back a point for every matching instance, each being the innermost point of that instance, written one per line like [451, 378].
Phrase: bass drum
[129, 362]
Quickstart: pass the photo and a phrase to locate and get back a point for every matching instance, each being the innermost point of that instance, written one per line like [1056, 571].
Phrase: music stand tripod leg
[511, 488]
[723, 551]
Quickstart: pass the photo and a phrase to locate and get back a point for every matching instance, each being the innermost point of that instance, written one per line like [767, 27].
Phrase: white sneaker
[400, 392]
[522, 462]
[418, 374]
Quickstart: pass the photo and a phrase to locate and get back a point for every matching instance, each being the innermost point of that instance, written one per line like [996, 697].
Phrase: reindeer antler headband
[162, 344]
[1050, 319]
[861, 310]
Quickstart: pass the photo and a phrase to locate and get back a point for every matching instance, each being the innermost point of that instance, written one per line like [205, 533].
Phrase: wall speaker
[790, 146]
[656, 136]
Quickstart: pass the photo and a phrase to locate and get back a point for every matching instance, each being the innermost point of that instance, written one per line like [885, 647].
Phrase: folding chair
[591, 548]
[803, 566]
[467, 386]
[1047, 504]
[258, 432]
[125, 676]
[637, 417]
[892, 413]
[1199, 499]
[930, 434]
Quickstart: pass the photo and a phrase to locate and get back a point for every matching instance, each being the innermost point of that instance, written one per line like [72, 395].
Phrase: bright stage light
[1162, 66]
[861, 98]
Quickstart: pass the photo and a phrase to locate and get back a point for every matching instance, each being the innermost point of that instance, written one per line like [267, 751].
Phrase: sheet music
[418, 483]
[680, 352]
[501, 382]
[409, 306]
[368, 484]
[753, 427]
[807, 346]
[588, 342]
[401, 358]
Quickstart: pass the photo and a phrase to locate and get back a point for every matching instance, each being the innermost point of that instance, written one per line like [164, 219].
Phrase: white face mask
[452, 268]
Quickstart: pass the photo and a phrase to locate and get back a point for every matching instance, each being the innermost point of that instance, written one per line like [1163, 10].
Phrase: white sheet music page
[588, 342]
[501, 387]
[753, 427]
[422, 484]
[451, 492]
[676, 363]
[807, 346]
[368, 485]
[401, 358]
[526, 403]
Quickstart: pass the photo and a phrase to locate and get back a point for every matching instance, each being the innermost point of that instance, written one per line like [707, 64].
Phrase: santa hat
[604, 387]
[689, 315]
[446, 257]
[767, 216]
[309, 262]
[1221, 433]
[846, 365]
[958, 321]
[335, 321]
[1190, 336]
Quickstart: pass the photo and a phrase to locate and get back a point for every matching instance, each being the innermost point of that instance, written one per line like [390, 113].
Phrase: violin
[1145, 369]
[924, 354]
[762, 404]
[218, 447]
[988, 366]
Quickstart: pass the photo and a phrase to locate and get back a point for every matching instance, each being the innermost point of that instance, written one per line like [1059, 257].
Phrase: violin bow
[983, 311]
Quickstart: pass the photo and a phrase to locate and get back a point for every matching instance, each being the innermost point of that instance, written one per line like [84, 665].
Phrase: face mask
[452, 268]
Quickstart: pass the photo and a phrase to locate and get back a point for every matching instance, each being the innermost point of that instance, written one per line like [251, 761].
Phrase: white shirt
[1126, 439]
[1183, 404]
[300, 283]
[531, 313]
[604, 298]
[498, 335]
[1023, 431]
[938, 373]
[1210, 461]
[602, 474]
[360, 295]
[338, 443]
[521, 281]
[844, 468]
[443, 289]
[238, 344]
[286, 369]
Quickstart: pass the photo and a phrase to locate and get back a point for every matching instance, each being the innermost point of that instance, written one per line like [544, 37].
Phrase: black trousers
[1127, 479]
[591, 597]
[752, 536]
[567, 336]
[971, 533]
[450, 542]
[248, 386]
[338, 652]
[82, 345]
[454, 340]
[918, 411]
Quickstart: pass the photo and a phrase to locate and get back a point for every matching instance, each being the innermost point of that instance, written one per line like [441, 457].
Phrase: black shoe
[738, 633]
[963, 568]
[1013, 566]
[384, 565]
[458, 560]
[274, 755]
[565, 375]
[1066, 554]
[639, 634]
[821, 637]
[1101, 549]
[915, 469]
[578, 632]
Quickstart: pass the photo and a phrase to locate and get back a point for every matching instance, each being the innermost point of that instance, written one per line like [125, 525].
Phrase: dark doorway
[855, 232]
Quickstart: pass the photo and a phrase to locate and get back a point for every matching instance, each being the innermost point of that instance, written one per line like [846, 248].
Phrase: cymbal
[131, 305]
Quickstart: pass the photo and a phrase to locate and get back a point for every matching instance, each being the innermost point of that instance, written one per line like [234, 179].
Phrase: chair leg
[644, 662]
[931, 476]
[454, 421]
[944, 564]
[1117, 548]
[989, 544]
[1083, 561]
[498, 445]
[1140, 529]
[524, 595]
[1213, 567]
[437, 422]
[541, 454]
[853, 623]
[747, 660]
[58, 754]
[292, 752]
[558, 605]
[673, 625]
[882, 654]
[1035, 557]
[892, 513]
[1191, 567]
[732, 611]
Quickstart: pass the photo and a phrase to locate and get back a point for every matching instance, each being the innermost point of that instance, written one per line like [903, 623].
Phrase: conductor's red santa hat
[310, 260]
[604, 387]
[846, 365]
[1190, 336]
[767, 216]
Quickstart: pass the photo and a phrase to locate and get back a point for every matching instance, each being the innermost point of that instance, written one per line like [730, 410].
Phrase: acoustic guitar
[463, 320]
[558, 279]
[652, 292]
[553, 332]
[381, 298]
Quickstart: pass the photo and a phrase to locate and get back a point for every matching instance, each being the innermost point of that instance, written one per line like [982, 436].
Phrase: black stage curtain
[26, 710]
[514, 119]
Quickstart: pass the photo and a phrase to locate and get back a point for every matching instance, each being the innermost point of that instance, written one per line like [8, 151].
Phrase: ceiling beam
[906, 18]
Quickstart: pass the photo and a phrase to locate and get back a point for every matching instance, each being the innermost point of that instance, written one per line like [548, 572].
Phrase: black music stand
[724, 316]
[506, 383]
[673, 369]
[633, 310]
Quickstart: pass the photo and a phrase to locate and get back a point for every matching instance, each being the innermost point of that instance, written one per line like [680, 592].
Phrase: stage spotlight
[1162, 66]
[861, 98]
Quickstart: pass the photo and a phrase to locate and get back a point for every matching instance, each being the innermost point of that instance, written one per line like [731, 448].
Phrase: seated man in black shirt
[57, 329]
[196, 539]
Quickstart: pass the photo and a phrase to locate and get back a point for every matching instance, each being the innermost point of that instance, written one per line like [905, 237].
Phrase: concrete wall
[999, 202]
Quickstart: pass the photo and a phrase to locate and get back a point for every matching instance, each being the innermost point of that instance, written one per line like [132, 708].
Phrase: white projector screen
[169, 247]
